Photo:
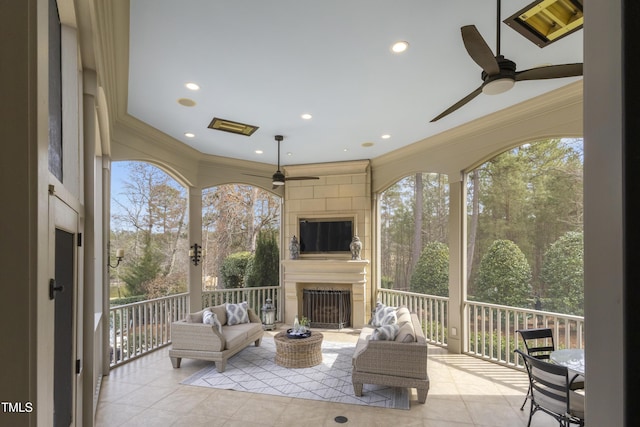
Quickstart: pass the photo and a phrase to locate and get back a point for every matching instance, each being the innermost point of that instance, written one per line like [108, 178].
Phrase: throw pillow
[237, 313]
[210, 318]
[406, 333]
[194, 317]
[385, 333]
[379, 316]
[207, 317]
[221, 312]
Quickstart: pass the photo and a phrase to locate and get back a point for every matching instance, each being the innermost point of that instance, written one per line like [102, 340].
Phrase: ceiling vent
[233, 127]
[545, 21]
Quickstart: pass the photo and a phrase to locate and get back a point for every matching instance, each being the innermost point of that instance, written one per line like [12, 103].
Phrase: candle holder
[268, 315]
[195, 253]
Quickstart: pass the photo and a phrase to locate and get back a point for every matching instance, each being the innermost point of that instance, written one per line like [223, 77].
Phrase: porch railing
[255, 298]
[492, 330]
[432, 311]
[141, 327]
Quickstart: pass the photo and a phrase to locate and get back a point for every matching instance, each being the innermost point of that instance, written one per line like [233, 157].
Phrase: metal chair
[551, 391]
[539, 344]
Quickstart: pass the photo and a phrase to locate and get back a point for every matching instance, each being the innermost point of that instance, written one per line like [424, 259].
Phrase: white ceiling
[267, 62]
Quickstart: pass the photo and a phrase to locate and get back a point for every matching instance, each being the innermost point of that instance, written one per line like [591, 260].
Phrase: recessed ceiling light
[306, 116]
[259, 151]
[367, 144]
[189, 134]
[289, 153]
[186, 102]
[192, 86]
[399, 47]
[345, 150]
[385, 136]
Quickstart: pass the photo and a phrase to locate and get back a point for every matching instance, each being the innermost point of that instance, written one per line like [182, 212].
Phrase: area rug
[253, 370]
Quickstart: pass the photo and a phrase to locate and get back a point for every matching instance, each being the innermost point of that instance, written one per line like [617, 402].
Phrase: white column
[195, 236]
[457, 266]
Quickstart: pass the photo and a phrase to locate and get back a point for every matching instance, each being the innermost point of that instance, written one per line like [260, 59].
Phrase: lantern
[268, 315]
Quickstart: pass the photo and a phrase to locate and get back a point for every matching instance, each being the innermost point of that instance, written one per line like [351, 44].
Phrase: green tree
[142, 270]
[263, 270]
[234, 269]
[563, 274]
[504, 276]
[431, 275]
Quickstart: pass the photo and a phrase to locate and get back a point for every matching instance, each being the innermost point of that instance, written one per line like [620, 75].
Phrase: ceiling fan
[278, 178]
[499, 73]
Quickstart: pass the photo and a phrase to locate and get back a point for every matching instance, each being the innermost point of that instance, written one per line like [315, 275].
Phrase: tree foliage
[233, 216]
[264, 268]
[402, 234]
[431, 275]
[142, 270]
[530, 195]
[149, 223]
[563, 275]
[504, 276]
[234, 270]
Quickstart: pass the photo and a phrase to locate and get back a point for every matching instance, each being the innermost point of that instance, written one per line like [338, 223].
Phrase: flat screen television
[325, 235]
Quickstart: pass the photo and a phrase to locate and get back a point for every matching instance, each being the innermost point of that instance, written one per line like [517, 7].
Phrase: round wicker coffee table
[298, 352]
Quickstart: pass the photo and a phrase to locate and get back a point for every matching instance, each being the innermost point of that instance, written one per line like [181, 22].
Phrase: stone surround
[326, 274]
[343, 190]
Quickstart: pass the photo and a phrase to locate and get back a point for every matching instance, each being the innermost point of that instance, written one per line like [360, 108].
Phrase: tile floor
[465, 391]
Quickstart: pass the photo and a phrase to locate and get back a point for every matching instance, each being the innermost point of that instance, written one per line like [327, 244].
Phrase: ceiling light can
[399, 47]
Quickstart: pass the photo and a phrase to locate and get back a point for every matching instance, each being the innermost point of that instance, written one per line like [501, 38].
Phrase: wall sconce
[119, 256]
[195, 253]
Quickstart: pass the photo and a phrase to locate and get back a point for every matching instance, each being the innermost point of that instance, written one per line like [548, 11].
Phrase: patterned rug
[253, 370]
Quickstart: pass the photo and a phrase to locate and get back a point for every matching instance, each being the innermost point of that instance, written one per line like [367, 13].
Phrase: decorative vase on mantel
[294, 248]
[356, 247]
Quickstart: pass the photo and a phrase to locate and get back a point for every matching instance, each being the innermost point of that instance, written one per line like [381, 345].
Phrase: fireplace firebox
[327, 308]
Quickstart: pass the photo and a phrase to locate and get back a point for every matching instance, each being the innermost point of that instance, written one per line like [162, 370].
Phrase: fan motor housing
[507, 70]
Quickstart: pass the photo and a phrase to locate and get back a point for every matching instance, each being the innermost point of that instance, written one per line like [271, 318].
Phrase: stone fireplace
[342, 190]
[327, 274]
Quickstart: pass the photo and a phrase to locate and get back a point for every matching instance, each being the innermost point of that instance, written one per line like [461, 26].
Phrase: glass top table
[572, 358]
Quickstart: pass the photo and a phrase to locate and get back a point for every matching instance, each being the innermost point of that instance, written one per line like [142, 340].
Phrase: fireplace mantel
[325, 274]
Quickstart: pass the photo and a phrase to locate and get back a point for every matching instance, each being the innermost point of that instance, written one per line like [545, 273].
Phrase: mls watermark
[17, 407]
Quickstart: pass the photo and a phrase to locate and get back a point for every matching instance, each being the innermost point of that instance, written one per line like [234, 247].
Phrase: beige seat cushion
[235, 335]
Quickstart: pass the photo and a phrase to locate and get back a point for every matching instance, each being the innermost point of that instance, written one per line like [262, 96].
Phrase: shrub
[431, 275]
[563, 274]
[505, 275]
[264, 268]
[234, 269]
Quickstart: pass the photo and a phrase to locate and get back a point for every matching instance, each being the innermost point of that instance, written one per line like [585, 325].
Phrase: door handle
[53, 288]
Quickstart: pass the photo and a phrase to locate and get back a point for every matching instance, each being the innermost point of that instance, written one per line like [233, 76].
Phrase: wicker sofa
[193, 339]
[400, 363]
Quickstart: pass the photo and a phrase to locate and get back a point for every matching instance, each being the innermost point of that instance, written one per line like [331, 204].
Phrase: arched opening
[149, 218]
[414, 215]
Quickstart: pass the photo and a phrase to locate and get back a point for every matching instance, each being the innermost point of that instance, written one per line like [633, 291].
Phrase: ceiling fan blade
[458, 104]
[259, 176]
[550, 72]
[300, 178]
[479, 50]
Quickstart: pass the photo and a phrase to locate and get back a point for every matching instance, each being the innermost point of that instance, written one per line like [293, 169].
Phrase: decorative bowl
[299, 335]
